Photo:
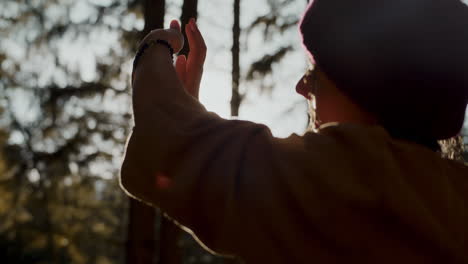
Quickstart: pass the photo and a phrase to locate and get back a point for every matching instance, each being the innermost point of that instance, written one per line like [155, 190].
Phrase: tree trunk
[170, 252]
[141, 241]
[140, 233]
[189, 10]
[236, 97]
[154, 12]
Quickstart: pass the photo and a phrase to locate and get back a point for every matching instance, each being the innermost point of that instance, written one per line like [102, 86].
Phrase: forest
[65, 101]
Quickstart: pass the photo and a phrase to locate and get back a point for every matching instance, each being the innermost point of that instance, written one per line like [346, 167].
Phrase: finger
[196, 41]
[172, 35]
[199, 40]
[191, 38]
[175, 25]
[181, 68]
[194, 62]
[176, 38]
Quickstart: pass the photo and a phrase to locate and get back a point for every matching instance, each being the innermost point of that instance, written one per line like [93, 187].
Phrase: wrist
[154, 54]
[153, 51]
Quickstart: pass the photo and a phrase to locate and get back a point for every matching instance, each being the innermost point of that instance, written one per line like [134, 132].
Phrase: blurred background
[65, 114]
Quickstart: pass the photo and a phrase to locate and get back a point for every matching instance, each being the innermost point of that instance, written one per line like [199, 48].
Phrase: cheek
[325, 106]
[319, 108]
[321, 103]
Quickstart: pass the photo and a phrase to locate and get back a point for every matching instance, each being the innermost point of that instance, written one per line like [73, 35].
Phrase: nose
[303, 87]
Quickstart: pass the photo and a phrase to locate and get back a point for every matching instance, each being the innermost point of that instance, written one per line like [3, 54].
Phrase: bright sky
[215, 20]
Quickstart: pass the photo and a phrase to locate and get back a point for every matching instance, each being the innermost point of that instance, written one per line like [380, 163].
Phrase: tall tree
[236, 97]
[170, 234]
[64, 130]
[141, 239]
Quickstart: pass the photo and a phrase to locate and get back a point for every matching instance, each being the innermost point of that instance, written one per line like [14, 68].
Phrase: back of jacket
[348, 194]
[375, 199]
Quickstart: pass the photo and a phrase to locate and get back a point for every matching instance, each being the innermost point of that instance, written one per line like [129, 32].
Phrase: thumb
[175, 25]
[174, 28]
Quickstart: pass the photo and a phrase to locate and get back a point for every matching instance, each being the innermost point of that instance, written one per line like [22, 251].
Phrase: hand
[190, 70]
[171, 35]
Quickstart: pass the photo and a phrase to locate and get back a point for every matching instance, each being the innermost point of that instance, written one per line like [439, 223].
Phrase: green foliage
[60, 200]
[263, 66]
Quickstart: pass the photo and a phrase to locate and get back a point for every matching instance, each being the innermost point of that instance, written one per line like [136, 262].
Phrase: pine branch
[263, 66]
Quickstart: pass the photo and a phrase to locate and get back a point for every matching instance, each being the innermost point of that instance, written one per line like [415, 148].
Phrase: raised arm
[191, 163]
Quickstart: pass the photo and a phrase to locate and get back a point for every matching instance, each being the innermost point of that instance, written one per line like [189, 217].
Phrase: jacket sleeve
[231, 181]
[200, 169]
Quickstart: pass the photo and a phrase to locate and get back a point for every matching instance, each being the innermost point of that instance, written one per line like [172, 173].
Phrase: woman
[369, 187]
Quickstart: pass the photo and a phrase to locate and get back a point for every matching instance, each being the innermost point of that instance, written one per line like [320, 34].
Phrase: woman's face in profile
[307, 87]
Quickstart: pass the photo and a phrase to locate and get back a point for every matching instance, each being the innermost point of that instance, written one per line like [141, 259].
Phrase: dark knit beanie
[406, 61]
